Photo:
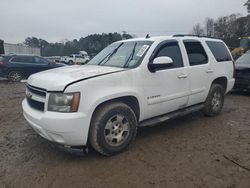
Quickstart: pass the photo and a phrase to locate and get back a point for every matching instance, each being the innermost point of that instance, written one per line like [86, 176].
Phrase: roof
[13, 54]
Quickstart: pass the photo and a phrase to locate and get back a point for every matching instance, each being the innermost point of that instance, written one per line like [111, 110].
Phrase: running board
[172, 115]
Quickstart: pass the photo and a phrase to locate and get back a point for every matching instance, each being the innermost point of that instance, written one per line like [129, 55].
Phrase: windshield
[122, 54]
[244, 59]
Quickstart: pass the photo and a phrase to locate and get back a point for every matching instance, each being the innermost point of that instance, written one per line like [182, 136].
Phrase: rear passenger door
[200, 71]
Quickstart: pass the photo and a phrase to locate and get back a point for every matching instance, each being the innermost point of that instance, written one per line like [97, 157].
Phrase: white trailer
[6, 48]
[21, 49]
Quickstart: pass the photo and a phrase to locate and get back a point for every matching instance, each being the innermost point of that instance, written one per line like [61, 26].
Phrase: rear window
[219, 51]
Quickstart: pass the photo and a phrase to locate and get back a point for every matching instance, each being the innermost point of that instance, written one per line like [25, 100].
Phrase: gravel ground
[192, 151]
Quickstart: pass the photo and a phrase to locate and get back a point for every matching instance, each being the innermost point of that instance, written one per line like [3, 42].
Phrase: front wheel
[215, 100]
[113, 128]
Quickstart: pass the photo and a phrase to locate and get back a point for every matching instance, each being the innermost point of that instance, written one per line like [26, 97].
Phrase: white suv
[130, 84]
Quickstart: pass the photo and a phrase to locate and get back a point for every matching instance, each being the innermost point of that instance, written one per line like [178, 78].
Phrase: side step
[172, 115]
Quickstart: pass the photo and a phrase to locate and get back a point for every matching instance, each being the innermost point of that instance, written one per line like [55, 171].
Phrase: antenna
[147, 36]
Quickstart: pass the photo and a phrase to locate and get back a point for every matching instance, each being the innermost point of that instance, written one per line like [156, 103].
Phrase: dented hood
[57, 79]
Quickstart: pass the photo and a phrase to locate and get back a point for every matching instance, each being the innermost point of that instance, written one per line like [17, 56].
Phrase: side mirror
[160, 63]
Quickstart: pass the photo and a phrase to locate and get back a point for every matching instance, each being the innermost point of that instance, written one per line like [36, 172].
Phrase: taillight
[1, 62]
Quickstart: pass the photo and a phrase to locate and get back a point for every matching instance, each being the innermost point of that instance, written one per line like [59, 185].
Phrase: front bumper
[69, 129]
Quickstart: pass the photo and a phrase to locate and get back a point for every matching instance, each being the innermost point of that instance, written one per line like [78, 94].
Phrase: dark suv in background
[242, 76]
[18, 67]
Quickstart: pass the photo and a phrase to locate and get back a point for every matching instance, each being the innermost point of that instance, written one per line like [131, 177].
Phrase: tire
[71, 62]
[215, 100]
[15, 76]
[113, 128]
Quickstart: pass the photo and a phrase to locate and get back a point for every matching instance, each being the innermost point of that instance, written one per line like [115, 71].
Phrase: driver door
[167, 89]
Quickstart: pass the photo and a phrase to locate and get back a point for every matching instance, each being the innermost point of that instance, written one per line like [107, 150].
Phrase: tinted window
[219, 51]
[171, 50]
[196, 53]
[39, 60]
[22, 59]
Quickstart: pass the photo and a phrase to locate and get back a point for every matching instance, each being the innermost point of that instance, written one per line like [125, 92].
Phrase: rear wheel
[71, 62]
[113, 128]
[15, 76]
[215, 100]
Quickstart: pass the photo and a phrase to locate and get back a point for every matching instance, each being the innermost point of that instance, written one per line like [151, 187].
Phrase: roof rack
[187, 35]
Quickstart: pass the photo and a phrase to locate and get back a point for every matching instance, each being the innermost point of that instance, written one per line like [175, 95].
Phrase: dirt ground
[192, 151]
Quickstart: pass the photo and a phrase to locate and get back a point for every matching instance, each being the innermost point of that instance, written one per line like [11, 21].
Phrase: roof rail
[187, 35]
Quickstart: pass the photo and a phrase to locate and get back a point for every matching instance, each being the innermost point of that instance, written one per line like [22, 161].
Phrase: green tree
[91, 44]
[228, 28]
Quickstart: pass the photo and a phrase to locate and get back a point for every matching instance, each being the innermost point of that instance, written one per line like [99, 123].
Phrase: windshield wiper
[131, 56]
[109, 55]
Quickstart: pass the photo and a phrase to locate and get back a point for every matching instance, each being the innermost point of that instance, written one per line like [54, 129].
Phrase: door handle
[182, 76]
[209, 71]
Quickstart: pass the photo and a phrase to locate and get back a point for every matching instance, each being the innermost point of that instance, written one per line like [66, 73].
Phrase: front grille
[36, 97]
[241, 84]
[242, 81]
[37, 91]
[35, 104]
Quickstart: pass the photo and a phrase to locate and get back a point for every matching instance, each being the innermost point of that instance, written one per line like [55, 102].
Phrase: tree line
[228, 28]
[91, 44]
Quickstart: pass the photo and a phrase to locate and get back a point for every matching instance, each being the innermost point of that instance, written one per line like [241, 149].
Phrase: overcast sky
[54, 20]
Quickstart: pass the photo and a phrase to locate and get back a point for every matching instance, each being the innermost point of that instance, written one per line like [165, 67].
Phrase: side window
[171, 50]
[40, 61]
[196, 53]
[22, 59]
[219, 51]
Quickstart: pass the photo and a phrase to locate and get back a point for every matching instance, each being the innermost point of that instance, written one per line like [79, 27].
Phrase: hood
[241, 66]
[56, 79]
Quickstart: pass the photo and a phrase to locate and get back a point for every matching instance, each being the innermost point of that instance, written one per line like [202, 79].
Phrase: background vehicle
[243, 48]
[75, 59]
[17, 67]
[242, 76]
[130, 84]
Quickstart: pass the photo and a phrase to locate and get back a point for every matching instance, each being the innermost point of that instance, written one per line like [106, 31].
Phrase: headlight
[63, 102]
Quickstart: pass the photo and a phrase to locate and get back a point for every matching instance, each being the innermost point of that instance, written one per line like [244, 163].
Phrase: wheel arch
[222, 81]
[129, 100]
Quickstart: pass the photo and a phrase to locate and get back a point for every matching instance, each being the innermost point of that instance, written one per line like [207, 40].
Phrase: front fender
[114, 96]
